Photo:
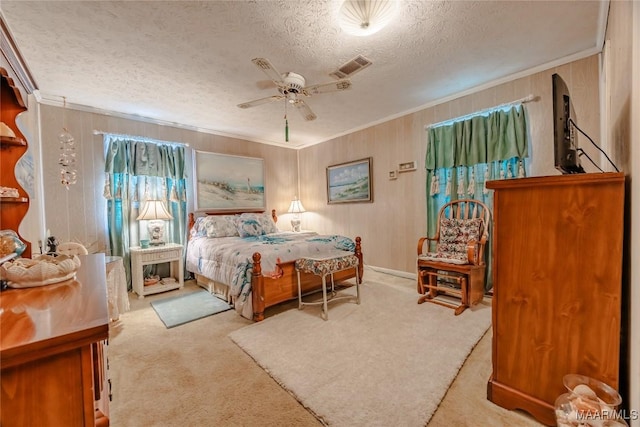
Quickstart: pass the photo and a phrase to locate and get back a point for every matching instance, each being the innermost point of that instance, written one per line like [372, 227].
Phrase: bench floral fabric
[322, 267]
[455, 235]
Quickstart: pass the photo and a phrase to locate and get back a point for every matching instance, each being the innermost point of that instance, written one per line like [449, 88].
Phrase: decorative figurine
[52, 245]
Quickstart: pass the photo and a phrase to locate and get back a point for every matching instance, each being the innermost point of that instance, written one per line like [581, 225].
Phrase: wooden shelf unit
[557, 281]
[12, 209]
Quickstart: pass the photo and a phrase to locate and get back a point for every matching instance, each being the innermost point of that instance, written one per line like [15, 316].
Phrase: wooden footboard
[267, 291]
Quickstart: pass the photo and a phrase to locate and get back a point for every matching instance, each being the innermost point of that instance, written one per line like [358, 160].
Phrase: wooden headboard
[192, 217]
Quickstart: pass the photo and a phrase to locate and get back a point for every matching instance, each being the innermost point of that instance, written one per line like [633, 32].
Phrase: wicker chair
[451, 264]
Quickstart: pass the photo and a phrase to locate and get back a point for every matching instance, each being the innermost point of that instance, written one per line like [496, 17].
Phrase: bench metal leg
[325, 298]
[325, 307]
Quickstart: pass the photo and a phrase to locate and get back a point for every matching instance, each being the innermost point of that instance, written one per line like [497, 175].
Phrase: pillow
[249, 227]
[218, 226]
[264, 219]
[197, 230]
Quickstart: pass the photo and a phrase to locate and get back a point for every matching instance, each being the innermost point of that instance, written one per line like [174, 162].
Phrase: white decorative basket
[28, 273]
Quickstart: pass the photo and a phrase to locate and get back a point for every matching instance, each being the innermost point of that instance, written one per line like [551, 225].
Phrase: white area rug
[387, 361]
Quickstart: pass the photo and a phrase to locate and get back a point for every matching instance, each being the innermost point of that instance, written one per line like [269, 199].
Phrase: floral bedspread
[229, 260]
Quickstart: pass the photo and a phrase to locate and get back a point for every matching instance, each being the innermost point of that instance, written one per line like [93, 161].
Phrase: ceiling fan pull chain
[286, 123]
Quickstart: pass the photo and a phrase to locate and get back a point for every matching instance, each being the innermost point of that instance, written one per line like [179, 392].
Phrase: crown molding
[14, 58]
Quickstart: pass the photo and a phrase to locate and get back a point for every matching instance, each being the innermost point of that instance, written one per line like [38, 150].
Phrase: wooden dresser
[557, 274]
[52, 351]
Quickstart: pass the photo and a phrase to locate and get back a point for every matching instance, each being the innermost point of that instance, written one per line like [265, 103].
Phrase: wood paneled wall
[391, 226]
[80, 212]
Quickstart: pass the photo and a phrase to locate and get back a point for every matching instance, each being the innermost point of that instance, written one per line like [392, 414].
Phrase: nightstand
[171, 253]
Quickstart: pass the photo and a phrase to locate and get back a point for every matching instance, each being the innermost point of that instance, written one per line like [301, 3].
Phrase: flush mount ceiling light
[365, 17]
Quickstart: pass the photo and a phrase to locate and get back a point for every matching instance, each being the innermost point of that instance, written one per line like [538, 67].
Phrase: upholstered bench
[323, 267]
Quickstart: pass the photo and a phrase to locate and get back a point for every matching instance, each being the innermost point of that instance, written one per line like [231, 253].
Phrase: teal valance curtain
[500, 135]
[137, 171]
[463, 154]
[141, 158]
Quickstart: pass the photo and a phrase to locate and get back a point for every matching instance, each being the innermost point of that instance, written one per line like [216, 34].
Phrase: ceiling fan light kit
[366, 17]
[292, 87]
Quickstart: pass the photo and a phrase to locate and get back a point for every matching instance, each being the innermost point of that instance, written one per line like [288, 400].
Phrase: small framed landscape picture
[228, 183]
[350, 182]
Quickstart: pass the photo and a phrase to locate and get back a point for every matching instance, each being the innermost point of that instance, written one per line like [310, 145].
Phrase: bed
[243, 258]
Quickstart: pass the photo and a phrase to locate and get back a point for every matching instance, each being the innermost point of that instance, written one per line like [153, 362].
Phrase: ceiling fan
[292, 88]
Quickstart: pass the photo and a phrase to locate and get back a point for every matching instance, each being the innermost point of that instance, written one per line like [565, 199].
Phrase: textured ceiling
[189, 63]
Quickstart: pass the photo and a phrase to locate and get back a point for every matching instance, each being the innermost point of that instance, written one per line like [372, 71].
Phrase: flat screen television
[567, 158]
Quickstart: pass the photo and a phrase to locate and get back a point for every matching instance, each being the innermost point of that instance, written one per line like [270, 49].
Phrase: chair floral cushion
[455, 234]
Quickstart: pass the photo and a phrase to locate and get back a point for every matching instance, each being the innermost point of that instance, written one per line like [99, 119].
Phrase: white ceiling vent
[350, 68]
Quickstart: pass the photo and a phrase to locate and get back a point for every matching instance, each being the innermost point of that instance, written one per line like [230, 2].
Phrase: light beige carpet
[387, 361]
[195, 375]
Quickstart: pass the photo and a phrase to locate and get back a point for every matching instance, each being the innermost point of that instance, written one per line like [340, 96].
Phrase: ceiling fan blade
[266, 84]
[267, 67]
[260, 101]
[304, 110]
[336, 86]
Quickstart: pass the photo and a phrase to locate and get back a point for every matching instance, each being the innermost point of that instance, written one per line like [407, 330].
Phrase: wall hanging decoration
[407, 166]
[350, 182]
[228, 183]
[67, 160]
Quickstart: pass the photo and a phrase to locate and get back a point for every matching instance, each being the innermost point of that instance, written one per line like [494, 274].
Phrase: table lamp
[296, 209]
[155, 212]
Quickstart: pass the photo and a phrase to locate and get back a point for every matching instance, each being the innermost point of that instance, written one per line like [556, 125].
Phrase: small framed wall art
[407, 166]
[350, 182]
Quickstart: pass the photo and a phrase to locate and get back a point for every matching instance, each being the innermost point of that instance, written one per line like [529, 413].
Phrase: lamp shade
[296, 207]
[154, 209]
[365, 17]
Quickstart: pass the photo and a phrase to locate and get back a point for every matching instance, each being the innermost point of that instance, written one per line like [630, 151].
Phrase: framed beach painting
[350, 182]
[228, 183]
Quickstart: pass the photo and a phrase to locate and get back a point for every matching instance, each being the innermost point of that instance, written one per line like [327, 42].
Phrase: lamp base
[295, 225]
[156, 232]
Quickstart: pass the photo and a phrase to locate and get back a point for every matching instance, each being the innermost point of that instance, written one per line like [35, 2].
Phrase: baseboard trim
[398, 273]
